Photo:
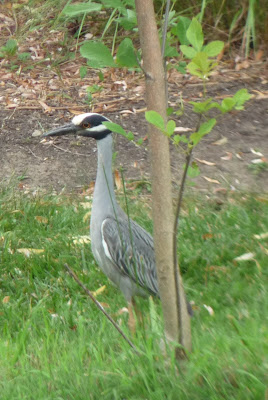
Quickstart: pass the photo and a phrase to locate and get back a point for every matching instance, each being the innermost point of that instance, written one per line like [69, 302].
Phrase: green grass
[55, 344]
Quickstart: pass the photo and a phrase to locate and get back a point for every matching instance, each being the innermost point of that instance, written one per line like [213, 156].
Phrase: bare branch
[98, 304]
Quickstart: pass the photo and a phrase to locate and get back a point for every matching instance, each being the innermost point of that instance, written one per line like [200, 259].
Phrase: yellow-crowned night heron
[123, 250]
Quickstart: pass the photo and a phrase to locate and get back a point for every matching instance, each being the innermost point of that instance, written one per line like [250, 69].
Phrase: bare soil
[70, 163]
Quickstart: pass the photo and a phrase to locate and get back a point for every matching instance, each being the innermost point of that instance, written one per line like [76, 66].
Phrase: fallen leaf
[216, 268]
[207, 236]
[257, 161]
[238, 156]
[46, 108]
[179, 129]
[36, 133]
[6, 299]
[17, 212]
[117, 179]
[86, 205]
[12, 105]
[126, 112]
[260, 95]
[261, 236]
[86, 216]
[259, 55]
[221, 141]
[84, 239]
[28, 252]
[245, 257]
[228, 156]
[75, 112]
[121, 83]
[99, 291]
[104, 305]
[41, 219]
[257, 153]
[209, 309]
[211, 180]
[122, 310]
[243, 65]
[220, 190]
[205, 162]
[6, 77]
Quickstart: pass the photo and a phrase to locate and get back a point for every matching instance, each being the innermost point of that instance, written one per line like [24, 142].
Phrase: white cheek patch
[99, 128]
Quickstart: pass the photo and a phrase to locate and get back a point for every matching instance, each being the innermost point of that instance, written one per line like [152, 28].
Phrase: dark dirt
[71, 162]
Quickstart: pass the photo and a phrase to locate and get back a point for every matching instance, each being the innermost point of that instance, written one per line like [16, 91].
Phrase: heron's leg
[131, 317]
[138, 312]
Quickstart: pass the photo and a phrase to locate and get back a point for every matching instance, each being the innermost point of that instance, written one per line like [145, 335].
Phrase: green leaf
[129, 21]
[204, 106]
[126, 56]
[73, 10]
[155, 119]
[115, 4]
[115, 128]
[227, 104]
[188, 51]
[98, 55]
[193, 170]
[213, 48]
[201, 66]
[139, 142]
[169, 111]
[10, 47]
[195, 138]
[11, 44]
[240, 97]
[130, 136]
[195, 35]
[206, 127]
[194, 69]
[171, 125]
[83, 71]
[176, 139]
[180, 138]
[24, 56]
[181, 67]
[181, 30]
[170, 51]
[184, 139]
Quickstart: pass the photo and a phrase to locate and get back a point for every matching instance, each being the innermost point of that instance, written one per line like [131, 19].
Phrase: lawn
[54, 342]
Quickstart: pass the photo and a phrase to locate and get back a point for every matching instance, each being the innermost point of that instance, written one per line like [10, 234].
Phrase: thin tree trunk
[163, 216]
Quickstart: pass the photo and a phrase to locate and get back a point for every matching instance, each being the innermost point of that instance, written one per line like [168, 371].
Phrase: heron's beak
[63, 130]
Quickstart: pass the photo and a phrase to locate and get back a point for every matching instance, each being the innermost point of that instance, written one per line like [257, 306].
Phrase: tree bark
[173, 300]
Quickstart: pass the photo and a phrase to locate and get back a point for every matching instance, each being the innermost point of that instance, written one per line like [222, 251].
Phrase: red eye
[86, 125]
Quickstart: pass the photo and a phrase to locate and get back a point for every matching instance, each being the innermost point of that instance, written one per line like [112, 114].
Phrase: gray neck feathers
[104, 197]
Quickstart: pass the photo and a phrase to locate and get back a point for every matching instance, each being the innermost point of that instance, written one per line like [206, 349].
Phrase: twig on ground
[100, 307]
[68, 151]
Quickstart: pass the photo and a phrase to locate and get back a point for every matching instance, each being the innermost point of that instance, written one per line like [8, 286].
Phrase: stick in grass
[88, 292]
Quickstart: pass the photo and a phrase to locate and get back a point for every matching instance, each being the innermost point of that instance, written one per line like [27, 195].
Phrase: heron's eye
[86, 125]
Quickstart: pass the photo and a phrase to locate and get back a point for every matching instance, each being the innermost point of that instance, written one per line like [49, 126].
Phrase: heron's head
[88, 124]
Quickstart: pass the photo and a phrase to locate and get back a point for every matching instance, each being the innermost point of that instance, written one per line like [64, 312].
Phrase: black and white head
[88, 124]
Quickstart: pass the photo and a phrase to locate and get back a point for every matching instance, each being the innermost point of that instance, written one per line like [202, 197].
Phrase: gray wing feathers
[131, 249]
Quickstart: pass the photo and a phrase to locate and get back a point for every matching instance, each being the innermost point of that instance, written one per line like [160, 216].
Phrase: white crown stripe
[79, 118]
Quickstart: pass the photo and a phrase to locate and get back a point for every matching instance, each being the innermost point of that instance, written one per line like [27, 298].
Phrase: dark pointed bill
[63, 130]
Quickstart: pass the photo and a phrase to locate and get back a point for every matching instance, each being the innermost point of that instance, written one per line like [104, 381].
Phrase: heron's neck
[104, 195]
